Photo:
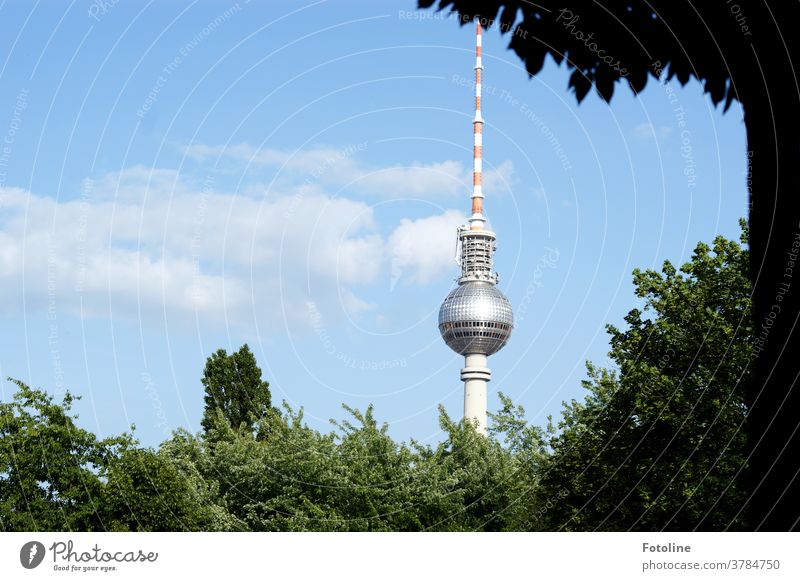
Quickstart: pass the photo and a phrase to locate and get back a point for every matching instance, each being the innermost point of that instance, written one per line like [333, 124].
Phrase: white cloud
[649, 131]
[353, 305]
[499, 180]
[319, 163]
[422, 250]
[135, 184]
[342, 168]
[419, 180]
[167, 249]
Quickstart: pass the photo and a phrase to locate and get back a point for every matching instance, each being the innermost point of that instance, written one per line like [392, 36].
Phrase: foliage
[627, 41]
[660, 443]
[359, 479]
[233, 385]
[146, 492]
[50, 469]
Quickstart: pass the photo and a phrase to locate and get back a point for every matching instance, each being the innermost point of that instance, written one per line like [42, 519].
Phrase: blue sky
[182, 177]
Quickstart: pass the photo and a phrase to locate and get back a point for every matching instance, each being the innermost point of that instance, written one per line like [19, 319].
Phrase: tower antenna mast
[477, 221]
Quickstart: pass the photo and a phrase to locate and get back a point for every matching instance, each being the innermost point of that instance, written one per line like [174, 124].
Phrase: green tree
[146, 492]
[373, 489]
[300, 479]
[472, 482]
[357, 478]
[659, 442]
[278, 483]
[50, 469]
[234, 390]
[527, 451]
[191, 456]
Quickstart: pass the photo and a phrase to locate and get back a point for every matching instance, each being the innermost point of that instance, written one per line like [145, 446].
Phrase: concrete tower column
[476, 376]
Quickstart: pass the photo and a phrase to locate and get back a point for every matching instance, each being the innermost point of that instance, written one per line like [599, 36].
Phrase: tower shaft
[476, 376]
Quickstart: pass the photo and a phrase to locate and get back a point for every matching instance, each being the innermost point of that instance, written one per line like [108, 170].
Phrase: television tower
[475, 319]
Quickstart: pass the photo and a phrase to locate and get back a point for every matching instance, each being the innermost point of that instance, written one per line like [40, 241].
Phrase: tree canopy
[658, 443]
[628, 41]
[50, 469]
[234, 389]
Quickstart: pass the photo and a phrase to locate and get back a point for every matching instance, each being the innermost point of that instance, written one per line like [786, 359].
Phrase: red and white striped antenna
[477, 220]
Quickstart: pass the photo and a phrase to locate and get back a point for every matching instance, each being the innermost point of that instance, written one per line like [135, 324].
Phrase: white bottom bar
[432, 555]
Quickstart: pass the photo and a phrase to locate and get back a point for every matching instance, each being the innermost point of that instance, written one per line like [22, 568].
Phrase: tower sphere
[476, 318]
